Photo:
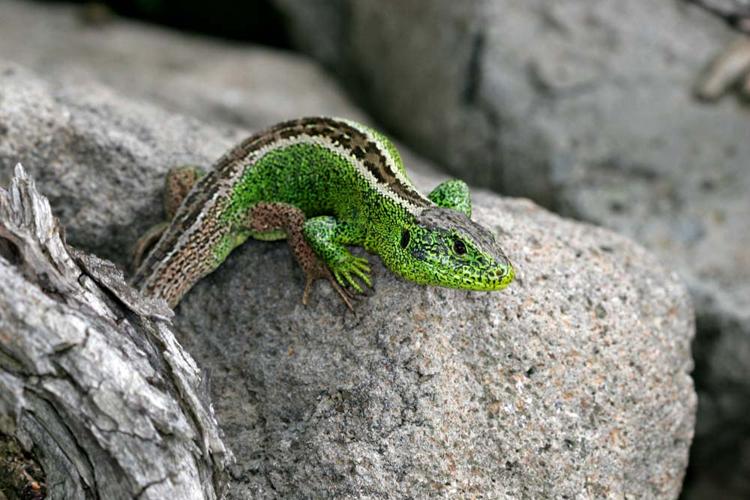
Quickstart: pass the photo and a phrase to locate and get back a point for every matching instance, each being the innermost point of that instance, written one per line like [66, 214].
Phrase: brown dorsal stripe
[339, 132]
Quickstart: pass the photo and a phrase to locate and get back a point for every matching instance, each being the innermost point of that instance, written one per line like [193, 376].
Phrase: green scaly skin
[351, 186]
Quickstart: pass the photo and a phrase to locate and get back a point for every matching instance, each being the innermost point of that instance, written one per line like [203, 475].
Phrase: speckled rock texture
[574, 381]
[586, 107]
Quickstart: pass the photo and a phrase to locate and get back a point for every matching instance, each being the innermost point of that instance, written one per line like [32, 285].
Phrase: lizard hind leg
[177, 184]
[272, 218]
[146, 242]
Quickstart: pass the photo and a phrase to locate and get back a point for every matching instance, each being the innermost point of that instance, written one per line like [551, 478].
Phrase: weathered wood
[92, 379]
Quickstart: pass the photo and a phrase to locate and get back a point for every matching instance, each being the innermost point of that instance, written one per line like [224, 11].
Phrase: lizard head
[444, 247]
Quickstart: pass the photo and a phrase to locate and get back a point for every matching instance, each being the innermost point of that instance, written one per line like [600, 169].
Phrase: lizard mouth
[500, 275]
[505, 276]
[504, 272]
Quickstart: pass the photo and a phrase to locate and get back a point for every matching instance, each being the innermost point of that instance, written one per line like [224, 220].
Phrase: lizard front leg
[452, 194]
[271, 218]
[329, 237]
[177, 184]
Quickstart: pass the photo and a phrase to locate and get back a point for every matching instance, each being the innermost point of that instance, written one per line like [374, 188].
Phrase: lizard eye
[459, 247]
[405, 237]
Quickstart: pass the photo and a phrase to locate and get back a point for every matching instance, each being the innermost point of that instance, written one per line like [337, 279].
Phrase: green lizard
[324, 184]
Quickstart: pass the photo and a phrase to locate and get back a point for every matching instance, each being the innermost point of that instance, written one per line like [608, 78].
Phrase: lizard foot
[350, 270]
[265, 217]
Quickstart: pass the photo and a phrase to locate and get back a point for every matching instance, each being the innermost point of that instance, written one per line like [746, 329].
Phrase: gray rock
[99, 179]
[586, 107]
[217, 82]
[574, 381]
[734, 12]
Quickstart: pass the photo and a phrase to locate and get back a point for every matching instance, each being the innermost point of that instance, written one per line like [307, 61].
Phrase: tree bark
[92, 379]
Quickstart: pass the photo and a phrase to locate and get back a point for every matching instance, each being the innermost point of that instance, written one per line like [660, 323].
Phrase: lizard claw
[343, 293]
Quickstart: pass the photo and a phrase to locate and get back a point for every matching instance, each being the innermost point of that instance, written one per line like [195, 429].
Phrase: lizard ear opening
[405, 237]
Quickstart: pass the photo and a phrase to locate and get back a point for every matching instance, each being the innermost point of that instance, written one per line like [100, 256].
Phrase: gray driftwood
[92, 378]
